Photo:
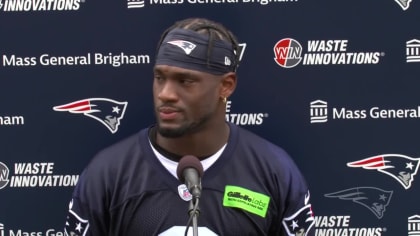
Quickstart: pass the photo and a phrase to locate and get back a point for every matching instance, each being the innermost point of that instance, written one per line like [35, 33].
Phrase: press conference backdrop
[335, 83]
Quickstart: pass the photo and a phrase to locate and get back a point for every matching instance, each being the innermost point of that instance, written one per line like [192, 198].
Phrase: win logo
[319, 111]
[4, 178]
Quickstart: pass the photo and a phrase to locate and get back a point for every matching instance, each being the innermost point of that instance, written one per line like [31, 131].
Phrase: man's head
[194, 74]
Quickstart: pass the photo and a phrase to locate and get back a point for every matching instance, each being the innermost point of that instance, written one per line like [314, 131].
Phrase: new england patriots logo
[404, 4]
[107, 111]
[374, 199]
[184, 45]
[75, 225]
[301, 222]
[400, 167]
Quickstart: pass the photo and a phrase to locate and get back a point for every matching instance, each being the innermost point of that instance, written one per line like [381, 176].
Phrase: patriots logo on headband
[400, 167]
[374, 199]
[301, 222]
[107, 111]
[184, 45]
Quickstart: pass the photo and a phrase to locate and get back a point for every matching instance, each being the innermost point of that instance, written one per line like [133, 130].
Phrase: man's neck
[201, 144]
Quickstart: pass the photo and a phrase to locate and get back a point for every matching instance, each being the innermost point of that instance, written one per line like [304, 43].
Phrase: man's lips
[168, 113]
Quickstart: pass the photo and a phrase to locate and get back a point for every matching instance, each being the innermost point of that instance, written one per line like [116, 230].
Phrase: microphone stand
[194, 212]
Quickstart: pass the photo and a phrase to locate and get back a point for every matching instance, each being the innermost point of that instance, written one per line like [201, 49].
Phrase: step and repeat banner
[335, 83]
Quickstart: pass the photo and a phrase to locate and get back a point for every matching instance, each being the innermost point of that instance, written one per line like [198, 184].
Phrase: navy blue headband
[189, 50]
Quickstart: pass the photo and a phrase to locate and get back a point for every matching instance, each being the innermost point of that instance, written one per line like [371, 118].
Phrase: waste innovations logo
[334, 225]
[34, 174]
[133, 4]
[244, 118]
[289, 53]
[40, 5]
[107, 111]
[21, 232]
[321, 113]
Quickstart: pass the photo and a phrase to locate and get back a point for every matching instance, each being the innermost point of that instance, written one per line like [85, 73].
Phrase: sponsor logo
[289, 53]
[413, 50]
[374, 199]
[12, 120]
[340, 225]
[4, 175]
[302, 221]
[133, 4]
[400, 167]
[245, 199]
[21, 232]
[320, 113]
[35, 174]
[414, 225]
[404, 4]
[244, 118]
[39, 5]
[107, 111]
[48, 60]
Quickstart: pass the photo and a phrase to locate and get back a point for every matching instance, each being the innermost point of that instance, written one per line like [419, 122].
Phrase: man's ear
[228, 84]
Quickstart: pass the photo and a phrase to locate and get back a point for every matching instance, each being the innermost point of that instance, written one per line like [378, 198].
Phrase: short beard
[172, 133]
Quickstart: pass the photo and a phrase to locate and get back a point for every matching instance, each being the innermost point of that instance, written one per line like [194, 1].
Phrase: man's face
[185, 100]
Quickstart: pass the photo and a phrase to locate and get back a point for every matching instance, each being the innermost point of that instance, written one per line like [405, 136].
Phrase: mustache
[166, 107]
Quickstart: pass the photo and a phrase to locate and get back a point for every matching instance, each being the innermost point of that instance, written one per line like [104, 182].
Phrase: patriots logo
[184, 45]
[374, 199]
[107, 111]
[400, 167]
[301, 222]
[75, 225]
[404, 4]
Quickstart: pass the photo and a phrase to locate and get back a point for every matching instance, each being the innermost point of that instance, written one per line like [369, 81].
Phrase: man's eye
[186, 81]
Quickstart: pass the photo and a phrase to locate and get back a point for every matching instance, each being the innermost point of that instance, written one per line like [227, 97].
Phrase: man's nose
[168, 91]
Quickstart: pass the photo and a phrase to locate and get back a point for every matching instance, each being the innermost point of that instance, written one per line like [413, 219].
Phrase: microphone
[190, 171]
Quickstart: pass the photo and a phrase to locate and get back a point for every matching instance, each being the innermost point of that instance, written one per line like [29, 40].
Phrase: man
[250, 186]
